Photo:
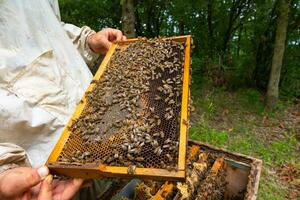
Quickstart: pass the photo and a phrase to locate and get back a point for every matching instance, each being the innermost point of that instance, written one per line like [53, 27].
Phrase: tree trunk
[279, 47]
[128, 18]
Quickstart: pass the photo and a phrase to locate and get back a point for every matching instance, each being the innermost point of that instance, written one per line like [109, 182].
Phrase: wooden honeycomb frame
[100, 171]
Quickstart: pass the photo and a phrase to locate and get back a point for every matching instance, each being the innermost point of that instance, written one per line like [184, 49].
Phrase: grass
[209, 135]
[269, 187]
[238, 122]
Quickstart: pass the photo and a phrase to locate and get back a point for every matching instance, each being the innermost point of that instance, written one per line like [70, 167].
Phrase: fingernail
[49, 178]
[77, 181]
[43, 171]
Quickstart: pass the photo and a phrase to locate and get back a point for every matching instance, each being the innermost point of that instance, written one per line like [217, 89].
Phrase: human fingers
[46, 189]
[105, 43]
[72, 188]
[67, 189]
[86, 184]
[26, 196]
[119, 35]
[15, 182]
[124, 38]
[115, 35]
[99, 42]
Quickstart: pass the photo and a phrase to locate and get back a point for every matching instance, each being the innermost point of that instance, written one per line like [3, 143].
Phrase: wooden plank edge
[183, 137]
[181, 38]
[118, 172]
[252, 187]
[218, 149]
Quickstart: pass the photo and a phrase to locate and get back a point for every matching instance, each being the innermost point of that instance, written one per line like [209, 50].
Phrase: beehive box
[212, 173]
[133, 118]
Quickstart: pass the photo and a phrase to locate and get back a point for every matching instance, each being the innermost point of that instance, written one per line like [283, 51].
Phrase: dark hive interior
[131, 117]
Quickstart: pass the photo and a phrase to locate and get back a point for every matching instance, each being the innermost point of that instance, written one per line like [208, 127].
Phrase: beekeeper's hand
[101, 41]
[16, 183]
[26, 184]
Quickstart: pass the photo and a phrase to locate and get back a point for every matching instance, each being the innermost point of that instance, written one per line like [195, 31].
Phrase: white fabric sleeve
[79, 38]
[11, 156]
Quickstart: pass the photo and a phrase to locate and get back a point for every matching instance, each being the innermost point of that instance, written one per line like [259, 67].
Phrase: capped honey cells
[131, 117]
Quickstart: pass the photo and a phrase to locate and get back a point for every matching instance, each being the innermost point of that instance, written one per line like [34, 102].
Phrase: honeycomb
[132, 115]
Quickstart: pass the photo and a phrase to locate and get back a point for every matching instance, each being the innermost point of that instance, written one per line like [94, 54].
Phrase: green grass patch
[209, 135]
[270, 188]
[251, 100]
[242, 145]
[278, 152]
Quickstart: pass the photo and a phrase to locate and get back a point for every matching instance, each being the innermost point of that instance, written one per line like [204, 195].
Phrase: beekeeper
[43, 74]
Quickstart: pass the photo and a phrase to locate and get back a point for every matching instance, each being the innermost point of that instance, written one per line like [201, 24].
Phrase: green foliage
[290, 81]
[233, 37]
[290, 76]
[94, 13]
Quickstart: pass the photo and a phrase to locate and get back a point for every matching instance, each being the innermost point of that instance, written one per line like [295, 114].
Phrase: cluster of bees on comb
[132, 114]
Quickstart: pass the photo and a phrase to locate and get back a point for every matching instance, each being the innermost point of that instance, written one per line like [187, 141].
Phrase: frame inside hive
[93, 170]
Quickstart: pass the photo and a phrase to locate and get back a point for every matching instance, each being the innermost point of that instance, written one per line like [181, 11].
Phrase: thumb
[31, 177]
[19, 180]
[46, 189]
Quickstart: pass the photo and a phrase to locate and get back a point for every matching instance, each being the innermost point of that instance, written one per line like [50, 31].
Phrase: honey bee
[167, 141]
[140, 165]
[158, 151]
[185, 122]
[160, 89]
[140, 159]
[152, 109]
[154, 143]
[116, 155]
[157, 98]
[110, 159]
[86, 154]
[158, 122]
[171, 102]
[131, 169]
[170, 158]
[156, 134]
[163, 165]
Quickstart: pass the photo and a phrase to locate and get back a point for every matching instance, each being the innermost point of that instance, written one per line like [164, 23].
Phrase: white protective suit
[43, 75]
